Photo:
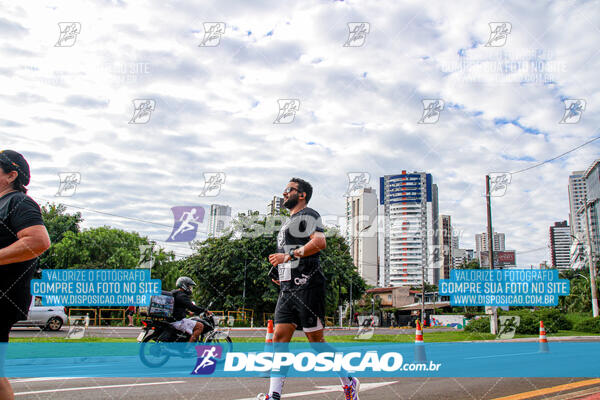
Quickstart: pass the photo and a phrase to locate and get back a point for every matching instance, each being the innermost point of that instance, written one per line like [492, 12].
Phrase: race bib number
[285, 272]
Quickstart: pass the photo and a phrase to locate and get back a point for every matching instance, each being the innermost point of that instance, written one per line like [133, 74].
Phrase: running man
[301, 302]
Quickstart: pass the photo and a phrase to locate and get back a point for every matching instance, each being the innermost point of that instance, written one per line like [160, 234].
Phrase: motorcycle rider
[183, 303]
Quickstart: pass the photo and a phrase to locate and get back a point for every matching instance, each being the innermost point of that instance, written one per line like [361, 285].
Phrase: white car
[51, 318]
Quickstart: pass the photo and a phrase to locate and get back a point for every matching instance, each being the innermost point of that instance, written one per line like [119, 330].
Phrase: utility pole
[351, 305]
[244, 293]
[423, 293]
[490, 234]
[591, 265]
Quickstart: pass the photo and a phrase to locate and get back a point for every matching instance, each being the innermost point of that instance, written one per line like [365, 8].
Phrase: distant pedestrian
[130, 312]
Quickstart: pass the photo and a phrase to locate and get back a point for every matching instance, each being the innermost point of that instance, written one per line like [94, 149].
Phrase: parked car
[47, 318]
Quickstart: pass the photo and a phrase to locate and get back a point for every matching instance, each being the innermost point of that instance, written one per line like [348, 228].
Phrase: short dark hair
[16, 184]
[303, 186]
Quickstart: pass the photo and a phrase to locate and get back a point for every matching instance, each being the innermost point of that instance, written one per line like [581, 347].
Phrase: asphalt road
[126, 332]
[301, 388]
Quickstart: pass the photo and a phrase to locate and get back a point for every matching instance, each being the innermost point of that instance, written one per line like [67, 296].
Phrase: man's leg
[281, 339]
[198, 328]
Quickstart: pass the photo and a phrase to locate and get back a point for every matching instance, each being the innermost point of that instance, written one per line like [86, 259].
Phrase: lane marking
[502, 355]
[332, 388]
[98, 387]
[550, 390]
[43, 379]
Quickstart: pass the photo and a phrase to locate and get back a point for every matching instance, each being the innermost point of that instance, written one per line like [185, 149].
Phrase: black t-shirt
[17, 212]
[182, 303]
[305, 272]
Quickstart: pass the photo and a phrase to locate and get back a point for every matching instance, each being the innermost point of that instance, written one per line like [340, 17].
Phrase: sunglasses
[288, 190]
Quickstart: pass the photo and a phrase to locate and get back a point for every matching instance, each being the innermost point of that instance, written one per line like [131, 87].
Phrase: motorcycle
[158, 334]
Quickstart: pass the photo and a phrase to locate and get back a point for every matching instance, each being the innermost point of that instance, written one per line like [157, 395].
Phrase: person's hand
[278, 258]
[276, 282]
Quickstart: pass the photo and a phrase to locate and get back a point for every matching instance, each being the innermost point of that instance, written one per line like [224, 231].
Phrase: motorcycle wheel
[153, 355]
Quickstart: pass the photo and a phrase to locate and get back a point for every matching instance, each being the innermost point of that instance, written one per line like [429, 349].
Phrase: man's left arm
[316, 244]
[32, 242]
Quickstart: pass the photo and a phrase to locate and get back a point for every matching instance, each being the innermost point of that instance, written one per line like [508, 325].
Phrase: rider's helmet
[185, 283]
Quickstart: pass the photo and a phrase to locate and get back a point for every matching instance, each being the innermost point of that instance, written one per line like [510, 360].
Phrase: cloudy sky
[67, 103]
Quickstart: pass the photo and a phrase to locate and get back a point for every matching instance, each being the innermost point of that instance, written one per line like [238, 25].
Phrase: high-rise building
[592, 183]
[219, 219]
[455, 241]
[275, 205]
[410, 235]
[577, 192]
[560, 245]
[461, 256]
[446, 242]
[481, 242]
[361, 233]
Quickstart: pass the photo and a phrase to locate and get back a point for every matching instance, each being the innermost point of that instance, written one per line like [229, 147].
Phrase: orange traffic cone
[420, 355]
[269, 337]
[419, 333]
[543, 341]
[268, 345]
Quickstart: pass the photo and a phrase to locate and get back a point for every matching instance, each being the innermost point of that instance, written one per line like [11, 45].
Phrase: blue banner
[457, 359]
[506, 287]
[95, 287]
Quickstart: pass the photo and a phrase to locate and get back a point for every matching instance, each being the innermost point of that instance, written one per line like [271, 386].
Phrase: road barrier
[88, 310]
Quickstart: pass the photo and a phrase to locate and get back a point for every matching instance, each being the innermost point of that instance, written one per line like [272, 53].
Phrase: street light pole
[490, 233]
[591, 265]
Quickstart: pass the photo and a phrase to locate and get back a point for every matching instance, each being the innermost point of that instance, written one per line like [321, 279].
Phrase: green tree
[58, 222]
[102, 247]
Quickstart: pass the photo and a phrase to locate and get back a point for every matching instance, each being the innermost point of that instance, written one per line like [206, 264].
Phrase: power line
[112, 215]
[559, 156]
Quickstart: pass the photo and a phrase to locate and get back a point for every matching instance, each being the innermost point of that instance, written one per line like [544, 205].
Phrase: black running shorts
[305, 308]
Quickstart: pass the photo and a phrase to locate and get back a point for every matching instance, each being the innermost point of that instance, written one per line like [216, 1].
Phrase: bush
[591, 325]
[481, 325]
[553, 319]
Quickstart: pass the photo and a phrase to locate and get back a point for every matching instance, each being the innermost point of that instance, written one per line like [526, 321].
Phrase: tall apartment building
[218, 220]
[361, 233]
[481, 242]
[275, 205]
[461, 256]
[560, 245]
[592, 183]
[410, 242]
[446, 238]
[577, 192]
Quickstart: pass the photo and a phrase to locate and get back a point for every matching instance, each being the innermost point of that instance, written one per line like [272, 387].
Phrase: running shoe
[351, 391]
[262, 396]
